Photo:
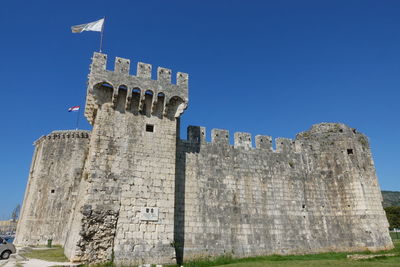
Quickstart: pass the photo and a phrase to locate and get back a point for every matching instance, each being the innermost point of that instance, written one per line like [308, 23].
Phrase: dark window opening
[350, 151]
[52, 191]
[123, 87]
[149, 128]
[147, 210]
[304, 206]
[106, 85]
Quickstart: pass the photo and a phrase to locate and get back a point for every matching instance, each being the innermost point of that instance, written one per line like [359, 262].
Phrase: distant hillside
[391, 198]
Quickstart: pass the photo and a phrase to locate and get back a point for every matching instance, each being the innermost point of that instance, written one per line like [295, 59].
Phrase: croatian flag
[74, 108]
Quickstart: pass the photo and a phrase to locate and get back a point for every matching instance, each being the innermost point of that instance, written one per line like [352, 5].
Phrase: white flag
[95, 26]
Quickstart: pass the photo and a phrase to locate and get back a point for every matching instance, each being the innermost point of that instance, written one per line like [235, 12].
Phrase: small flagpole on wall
[77, 118]
[101, 34]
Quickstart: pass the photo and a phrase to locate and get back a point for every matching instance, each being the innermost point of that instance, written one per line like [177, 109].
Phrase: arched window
[121, 98]
[103, 92]
[135, 100]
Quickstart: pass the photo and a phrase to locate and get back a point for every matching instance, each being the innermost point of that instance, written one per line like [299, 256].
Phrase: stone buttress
[127, 209]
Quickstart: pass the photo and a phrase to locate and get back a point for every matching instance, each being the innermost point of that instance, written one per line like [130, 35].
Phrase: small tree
[15, 213]
[393, 215]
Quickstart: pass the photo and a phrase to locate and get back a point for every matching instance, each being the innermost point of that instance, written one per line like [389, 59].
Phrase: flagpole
[101, 34]
[77, 118]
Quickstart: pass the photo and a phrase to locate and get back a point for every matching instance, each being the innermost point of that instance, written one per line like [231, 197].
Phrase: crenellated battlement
[264, 142]
[143, 70]
[242, 140]
[284, 144]
[64, 134]
[219, 136]
[139, 93]
[334, 135]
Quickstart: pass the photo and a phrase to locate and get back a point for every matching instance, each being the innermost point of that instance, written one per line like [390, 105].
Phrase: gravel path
[42, 263]
[12, 262]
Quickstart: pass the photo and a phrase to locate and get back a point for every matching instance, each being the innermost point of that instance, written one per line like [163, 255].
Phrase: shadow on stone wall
[179, 212]
[183, 147]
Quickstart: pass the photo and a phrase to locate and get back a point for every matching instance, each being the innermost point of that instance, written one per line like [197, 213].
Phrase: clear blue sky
[264, 67]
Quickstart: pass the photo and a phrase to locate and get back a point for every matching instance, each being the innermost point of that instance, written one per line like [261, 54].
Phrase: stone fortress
[132, 191]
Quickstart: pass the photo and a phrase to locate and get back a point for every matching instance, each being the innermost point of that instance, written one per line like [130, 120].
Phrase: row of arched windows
[138, 104]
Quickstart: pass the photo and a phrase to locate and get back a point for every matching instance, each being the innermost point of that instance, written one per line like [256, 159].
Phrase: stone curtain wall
[317, 193]
[52, 188]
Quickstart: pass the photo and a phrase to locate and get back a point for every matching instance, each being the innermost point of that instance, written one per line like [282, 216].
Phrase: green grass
[317, 263]
[55, 254]
[322, 259]
[313, 260]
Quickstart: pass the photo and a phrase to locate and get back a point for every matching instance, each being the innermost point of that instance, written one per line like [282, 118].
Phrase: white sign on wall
[149, 214]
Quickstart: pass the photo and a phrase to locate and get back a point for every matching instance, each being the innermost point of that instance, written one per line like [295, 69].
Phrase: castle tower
[53, 183]
[126, 210]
